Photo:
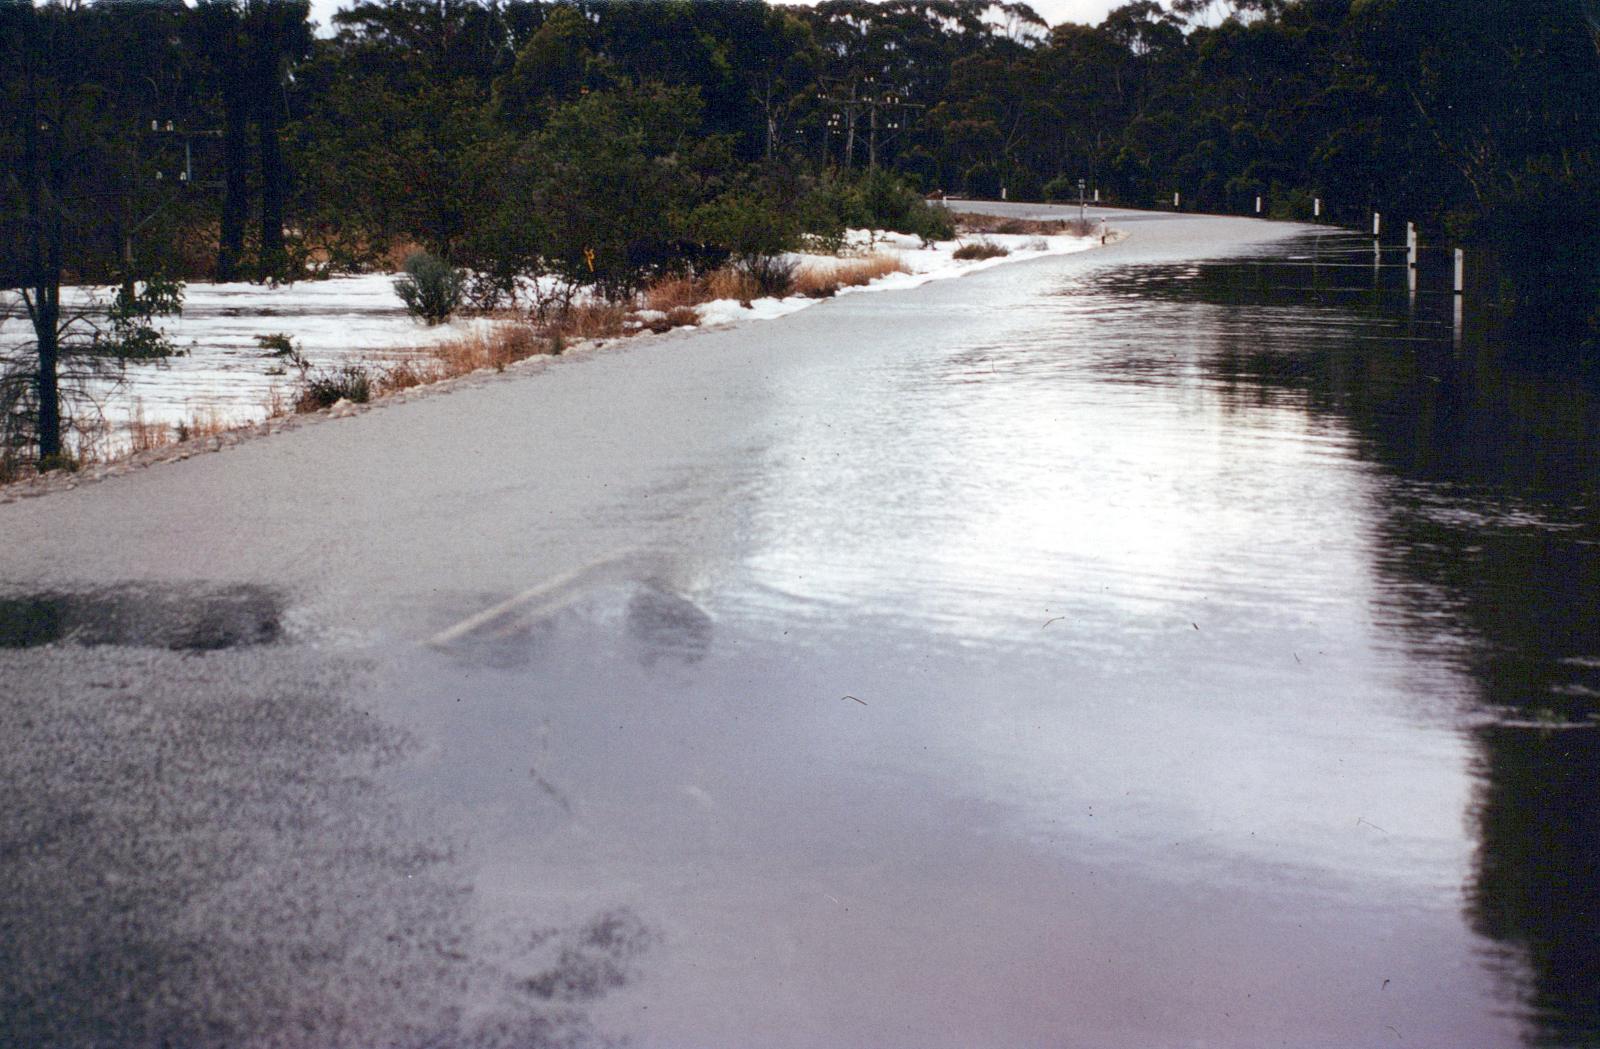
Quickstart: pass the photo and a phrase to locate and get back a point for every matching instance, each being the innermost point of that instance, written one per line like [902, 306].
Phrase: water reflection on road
[1189, 654]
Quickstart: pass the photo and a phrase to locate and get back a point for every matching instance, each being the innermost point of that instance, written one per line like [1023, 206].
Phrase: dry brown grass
[676, 292]
[677, 317]
[980, 249]
[493, 347]
[973, 222]
[819, 280]
[144, 435]
[208, 422]
[730, 282]
[592, 320]
[496, 347]
[409, 373]
[275, 404]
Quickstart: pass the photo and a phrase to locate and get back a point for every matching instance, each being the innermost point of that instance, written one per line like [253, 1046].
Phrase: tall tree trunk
[46, 328]
[45, 309]
[236, 164]
[274, 176]
[42, 161]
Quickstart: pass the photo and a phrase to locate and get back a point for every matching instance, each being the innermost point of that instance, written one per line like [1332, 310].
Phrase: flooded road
[1117, 650]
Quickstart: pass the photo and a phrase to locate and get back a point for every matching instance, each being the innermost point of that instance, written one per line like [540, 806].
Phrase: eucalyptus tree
[72, 172]
[252, 46]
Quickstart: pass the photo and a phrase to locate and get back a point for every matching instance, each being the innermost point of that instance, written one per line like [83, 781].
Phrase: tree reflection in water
[1488, 557]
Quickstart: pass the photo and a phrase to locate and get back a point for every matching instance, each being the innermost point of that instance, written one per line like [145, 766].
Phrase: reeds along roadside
[676, 292]
[973, 222]
[821, 279]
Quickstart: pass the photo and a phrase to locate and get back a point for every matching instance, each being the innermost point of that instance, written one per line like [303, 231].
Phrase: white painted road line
[551, 594]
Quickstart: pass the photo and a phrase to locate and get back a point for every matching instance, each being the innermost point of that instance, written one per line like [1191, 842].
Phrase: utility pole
[183, 176]
[866, 94]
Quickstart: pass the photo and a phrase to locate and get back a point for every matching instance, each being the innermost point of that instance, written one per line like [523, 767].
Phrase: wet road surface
[1089, 652]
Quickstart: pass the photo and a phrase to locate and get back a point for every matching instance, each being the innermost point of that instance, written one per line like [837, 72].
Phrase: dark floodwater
[1481, 461]
[1483, 474]
[1178, 654]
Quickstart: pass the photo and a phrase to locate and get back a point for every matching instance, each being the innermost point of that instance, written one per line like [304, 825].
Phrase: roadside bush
[983, 181]
[755, 231]
[1291, 204]
[879, 199]
[772, 275]
[980, 249]
[431, 288]
[324, 389]
[890, 204]
[1061, 188]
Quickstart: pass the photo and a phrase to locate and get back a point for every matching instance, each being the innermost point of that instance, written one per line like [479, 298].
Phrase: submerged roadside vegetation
[346, 342]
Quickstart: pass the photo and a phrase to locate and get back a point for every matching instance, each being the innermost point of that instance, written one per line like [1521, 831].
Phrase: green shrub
[324, 389]
[877, 200]
[755, 231]
[431, 288]
[133, 334]
[1061, 188]
[773, 274]
[891, 204]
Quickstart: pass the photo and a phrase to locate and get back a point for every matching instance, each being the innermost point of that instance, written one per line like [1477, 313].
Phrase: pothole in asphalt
[182, 618]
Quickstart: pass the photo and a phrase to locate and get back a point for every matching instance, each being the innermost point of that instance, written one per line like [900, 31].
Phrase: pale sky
[1052, 11]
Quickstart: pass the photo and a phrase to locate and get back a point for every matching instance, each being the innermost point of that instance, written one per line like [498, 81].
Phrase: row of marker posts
[1458, 282]
[1177, 203]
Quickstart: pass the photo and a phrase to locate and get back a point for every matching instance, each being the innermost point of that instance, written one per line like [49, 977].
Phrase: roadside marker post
[1458, 313]
[1411, 261]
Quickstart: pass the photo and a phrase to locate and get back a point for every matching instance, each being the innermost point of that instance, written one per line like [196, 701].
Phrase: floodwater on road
[1186, 654]
[1113, 650]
